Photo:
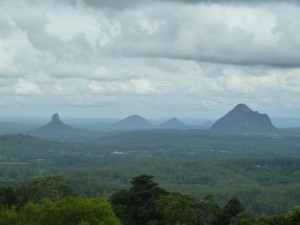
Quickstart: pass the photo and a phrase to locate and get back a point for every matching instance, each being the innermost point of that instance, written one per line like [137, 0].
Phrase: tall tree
[53, 188]
[231, 209]
[175, 209]
[136, 206]
[208, 210]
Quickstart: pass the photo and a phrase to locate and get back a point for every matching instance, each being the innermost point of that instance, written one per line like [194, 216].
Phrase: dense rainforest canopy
[51, 201]
[198, 178]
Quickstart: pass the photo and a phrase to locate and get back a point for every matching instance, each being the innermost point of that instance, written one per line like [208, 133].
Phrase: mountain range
[241, 119]
[136, 122]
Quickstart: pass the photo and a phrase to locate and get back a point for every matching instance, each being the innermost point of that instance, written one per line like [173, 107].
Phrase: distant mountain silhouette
[134, 122]
[172, 123]
[242, 119]
[58, 130]
[56, 124]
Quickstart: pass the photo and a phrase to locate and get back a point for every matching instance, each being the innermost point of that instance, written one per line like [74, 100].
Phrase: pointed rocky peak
[55, 124]
[172, 123]
[55, 118]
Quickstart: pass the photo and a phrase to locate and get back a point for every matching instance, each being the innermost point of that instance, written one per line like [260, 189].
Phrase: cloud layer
[156, 58]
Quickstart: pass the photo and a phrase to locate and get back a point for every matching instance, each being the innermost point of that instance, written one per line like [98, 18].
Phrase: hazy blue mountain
[172, 123]
[243, 119]
[58, 130]
[134, 122]
[55, 124]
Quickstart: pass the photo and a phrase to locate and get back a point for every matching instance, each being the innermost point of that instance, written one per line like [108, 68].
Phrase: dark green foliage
[273, 220]
[53, 188]
[231, 210]
[208, 211]
[262, 171]
[8, 196]
[136, 206]
[244, 218]
[8, 216]
[144, 203]
[70, 210]
[175, 208]
[293, 217]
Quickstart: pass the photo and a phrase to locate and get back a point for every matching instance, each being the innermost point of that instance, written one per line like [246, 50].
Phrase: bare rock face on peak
[55, 123]
[55, 118]
[243, 119]
[58, 130]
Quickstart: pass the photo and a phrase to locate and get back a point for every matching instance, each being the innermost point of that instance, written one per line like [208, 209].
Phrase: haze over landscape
[158, 59]
[149, 112]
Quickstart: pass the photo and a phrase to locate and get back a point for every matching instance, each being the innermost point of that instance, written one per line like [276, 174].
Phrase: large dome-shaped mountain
[243, 119]
[134, 122]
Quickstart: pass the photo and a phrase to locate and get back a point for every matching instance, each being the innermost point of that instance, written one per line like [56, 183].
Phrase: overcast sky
[114, 58]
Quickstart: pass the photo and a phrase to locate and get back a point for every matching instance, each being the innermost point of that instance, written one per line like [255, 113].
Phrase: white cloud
[142, 86]
[134, 86]
[85, 101]
[27, 88]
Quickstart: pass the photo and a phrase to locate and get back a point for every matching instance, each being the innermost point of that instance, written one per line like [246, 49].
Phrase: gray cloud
[193, 34]
[34, 25]
[156, 32]
[165, 56]
[246, 2]
[121, 4]
[5, 26]
[114, 4]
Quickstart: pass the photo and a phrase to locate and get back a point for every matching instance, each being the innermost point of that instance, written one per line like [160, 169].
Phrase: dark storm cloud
[84, 53]
[215, 41]
[35, 27]
[185, 35]
[210, 39]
